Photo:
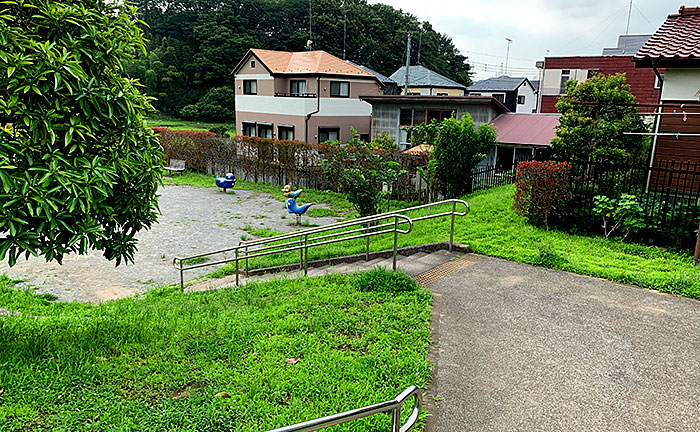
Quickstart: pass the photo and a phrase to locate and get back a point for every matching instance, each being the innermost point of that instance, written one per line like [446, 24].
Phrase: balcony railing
[299, 95]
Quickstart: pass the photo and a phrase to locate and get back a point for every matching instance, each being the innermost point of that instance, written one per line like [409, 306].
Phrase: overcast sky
[479, 28]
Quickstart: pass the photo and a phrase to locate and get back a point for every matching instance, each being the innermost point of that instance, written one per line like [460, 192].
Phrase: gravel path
[194, 220]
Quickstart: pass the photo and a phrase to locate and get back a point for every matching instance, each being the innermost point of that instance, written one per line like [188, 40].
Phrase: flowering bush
[623, 214]
[541, 189]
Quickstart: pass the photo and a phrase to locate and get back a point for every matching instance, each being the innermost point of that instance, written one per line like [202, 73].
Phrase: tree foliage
[362, 170]
[195, 44]
[458, 147]
[78, 168]
[595, 115]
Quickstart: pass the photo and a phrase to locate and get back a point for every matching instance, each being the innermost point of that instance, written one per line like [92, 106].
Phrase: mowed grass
[249, 359]
[179, 124]
[492, 228]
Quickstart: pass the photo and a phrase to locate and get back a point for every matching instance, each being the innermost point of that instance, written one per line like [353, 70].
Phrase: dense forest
[195, 44]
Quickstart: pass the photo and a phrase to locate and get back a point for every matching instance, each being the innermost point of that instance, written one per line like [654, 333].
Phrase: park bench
[175, 165]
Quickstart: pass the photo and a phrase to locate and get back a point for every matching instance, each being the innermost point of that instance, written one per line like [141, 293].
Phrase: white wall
[345, 107]
[530, 104]
[551, 80]
[681, 84]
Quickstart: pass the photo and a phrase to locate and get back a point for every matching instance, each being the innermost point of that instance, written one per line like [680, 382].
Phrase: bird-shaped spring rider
[291, 202]
[227, 182]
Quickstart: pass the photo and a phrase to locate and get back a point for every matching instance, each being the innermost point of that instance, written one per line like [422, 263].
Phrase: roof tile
[305, 62]
[677, 38]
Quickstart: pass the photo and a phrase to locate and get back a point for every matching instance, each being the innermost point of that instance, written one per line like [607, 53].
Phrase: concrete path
[528, 349]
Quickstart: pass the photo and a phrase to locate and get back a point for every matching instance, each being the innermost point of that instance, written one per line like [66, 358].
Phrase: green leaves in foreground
[249, 359]
[78, 168]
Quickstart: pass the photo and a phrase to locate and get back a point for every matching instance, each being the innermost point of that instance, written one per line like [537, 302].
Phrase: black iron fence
[668, 193]
[499, 175]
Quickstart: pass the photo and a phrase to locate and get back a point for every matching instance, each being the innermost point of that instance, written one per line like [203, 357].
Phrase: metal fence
[668, 192]
[499, 175]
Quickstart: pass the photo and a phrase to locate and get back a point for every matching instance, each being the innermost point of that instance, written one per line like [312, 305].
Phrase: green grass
[174, 123]
[261, 232]
[216, 361]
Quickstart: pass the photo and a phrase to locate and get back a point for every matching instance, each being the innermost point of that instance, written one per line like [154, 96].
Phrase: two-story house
[518, 94]
[309, 96]
[556, 71]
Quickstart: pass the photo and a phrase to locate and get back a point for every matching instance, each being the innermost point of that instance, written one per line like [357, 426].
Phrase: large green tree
[78, 168]
[194, 44]
[595, 116]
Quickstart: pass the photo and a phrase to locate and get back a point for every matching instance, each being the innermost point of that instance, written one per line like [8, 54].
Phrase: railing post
[396, 239]
[236, 267]
[452, 225]
[396, 419]
[306, 255]
[182, 278]
[301, 254]
[367, 243]
[246, 261]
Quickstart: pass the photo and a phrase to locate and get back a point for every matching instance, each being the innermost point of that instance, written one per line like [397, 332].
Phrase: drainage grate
[444, 270]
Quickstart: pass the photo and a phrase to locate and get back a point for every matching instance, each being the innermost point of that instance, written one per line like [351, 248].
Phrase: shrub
[381, 280]
[541, 190]
[219, 130]
[547, 257]
[623, 214]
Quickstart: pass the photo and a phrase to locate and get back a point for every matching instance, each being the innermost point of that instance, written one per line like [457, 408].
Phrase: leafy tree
[78, 168]
[194, 44]
[595, 115]
[457, 149]
[217, 104]
[360, 170]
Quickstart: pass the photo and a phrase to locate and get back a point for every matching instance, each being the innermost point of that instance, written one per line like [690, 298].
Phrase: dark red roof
[526, 129]
[675, 43]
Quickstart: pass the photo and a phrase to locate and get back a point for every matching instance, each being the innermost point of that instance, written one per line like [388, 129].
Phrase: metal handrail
[393, 406]
[301, 240]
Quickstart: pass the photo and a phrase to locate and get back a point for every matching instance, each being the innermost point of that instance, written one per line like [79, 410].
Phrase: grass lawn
[175, 123]
[249, 359]
[492, 228]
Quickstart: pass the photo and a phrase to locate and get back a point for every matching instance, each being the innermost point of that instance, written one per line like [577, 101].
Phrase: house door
[504, 158]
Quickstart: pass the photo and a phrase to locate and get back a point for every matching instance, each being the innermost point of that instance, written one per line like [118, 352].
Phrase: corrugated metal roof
[678, 38]
[526, 129]
[627, 45]
[383, 78]
[501, 83]
[420, 76]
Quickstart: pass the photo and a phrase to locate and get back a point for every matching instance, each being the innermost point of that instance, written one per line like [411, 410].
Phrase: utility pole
[629, 16]
[420, 41]
[508, 42]
[345, 25]
[309, 45]
[408, 64]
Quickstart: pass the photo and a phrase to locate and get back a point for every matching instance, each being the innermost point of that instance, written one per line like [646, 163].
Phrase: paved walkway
[528, 349]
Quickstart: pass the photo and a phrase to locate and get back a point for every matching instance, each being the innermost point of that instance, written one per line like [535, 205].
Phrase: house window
[442, 94]
[499, 97]
[248, 129]
[252, 64]
[406, 117]
[265, 130]
[657, 82]
[285, 132]
[328, 134]
[297, 87]
[440, 115]
[565, 76]
[364, 137]
[414, 93]
[250, 87]
[340, 89]
[521, 100]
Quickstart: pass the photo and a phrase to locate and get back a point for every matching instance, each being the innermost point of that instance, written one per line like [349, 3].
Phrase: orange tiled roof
[305, 62]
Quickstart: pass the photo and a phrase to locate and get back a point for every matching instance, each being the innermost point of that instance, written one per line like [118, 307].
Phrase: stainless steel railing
[302, 240]
[393, 406]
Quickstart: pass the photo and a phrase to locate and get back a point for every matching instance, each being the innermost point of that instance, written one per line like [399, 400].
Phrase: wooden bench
[175, 165]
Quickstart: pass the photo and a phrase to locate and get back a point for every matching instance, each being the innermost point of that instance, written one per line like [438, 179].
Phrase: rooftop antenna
[408, 64]
[508, 42]
[345, 25]
[629, 16]
[309, 43]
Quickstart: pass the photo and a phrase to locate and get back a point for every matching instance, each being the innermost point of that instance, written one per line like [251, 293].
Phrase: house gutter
[318, 108]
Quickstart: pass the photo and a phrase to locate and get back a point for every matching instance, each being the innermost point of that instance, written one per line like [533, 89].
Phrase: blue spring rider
[291, 203]
[227, 182]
